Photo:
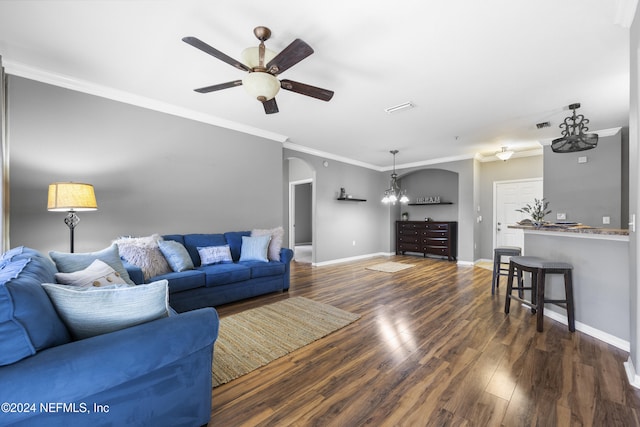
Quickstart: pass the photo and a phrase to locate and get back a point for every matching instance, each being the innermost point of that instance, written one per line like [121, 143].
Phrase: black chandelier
[574, 134]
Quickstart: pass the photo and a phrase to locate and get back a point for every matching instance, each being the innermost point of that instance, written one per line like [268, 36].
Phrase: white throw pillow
[145, 253]
[97, 274]
[88, 312]
[275, 245]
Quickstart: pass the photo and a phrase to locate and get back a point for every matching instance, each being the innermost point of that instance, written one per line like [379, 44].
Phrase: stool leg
[568, 292]
[507, 301]
[520, 283]
[534, 291]
[540, 299]
[496, 274]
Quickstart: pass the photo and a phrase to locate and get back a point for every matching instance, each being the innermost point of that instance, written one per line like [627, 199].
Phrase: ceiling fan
[262, 66]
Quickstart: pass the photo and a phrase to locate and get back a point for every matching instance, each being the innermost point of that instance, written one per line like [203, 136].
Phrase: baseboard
[355, 258]
[483, 260]
[632, 376]
[591, 331]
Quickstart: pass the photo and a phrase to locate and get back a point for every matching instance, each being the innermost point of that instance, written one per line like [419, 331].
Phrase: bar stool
[539, 268]
[501, 268]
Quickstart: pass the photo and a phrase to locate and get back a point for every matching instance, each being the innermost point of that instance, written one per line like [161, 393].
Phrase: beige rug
[390, 267]
[253, 338]
[487, 265]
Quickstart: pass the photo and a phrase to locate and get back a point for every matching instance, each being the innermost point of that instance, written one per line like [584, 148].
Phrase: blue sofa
[154, 374]
[217, 284]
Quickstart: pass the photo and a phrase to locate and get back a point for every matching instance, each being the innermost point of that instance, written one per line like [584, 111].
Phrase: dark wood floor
[432, 347]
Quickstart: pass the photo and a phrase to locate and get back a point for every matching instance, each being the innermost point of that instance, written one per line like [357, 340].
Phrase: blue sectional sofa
[217, 284]
[154, 374]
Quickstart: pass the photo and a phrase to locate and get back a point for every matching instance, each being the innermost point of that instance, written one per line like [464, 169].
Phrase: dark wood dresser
[428, 238]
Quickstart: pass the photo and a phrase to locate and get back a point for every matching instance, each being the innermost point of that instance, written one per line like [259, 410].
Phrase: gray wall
[634, 194]
[490, 172]
[152, 172]
[587, 191]
[339, 223]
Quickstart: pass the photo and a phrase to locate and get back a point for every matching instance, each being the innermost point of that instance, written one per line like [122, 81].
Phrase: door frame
[495, 202]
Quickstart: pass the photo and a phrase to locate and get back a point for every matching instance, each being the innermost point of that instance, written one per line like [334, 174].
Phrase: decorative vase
[405, 216]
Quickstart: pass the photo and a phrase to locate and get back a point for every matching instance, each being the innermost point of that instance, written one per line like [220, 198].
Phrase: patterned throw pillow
[255, 248]
[215, 255]
[70, 262]
[97, 274]
[275, 245]
[90, 311]
[144, 252]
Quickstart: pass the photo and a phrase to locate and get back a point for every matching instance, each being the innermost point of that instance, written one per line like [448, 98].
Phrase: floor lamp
[71, 197]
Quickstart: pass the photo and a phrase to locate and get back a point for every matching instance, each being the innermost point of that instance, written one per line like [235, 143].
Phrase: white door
[509, 196]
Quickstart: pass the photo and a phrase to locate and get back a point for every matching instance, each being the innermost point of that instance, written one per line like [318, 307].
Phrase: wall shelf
[430, 204]
[351, 199]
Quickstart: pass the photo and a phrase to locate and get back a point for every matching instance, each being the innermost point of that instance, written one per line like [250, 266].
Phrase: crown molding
[326, 155]
[67, 82]
[625, 11]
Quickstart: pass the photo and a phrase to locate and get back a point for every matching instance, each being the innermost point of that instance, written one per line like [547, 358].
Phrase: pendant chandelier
[574, 137]
[394, 193]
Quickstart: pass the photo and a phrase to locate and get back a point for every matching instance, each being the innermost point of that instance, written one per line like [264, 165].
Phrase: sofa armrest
[135, 273]
[286, 255]
[73, 371]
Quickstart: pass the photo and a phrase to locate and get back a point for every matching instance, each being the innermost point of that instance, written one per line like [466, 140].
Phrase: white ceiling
[480, 73]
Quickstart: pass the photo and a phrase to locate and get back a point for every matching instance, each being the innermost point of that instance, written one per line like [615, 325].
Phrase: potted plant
[537, 211]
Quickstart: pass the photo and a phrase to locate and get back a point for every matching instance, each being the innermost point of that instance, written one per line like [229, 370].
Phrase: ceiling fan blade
[199, 44]
[304, 89]
[270, 106]
[220, 86]
[290, 56]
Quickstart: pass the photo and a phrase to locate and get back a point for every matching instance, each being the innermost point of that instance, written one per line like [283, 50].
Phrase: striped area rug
[255, 337]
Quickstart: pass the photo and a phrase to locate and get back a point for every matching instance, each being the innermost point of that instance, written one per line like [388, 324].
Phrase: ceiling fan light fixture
[505, 154]
[261, 86]
[251, 56]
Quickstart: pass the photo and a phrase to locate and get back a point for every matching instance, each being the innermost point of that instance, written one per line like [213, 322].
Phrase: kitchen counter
[577, 231]
[600, 259]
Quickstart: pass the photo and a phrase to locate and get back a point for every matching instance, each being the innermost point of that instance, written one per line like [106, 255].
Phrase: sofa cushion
[88, 312]
[255, 248]
[183, 280]
[223, 274]
[263, 269]
[275, 244]
[97, 274]
[215, 255]
[234, 240]
[71, 262]
[193, 241]
[176, 255]
[28, 320]
[145, 253]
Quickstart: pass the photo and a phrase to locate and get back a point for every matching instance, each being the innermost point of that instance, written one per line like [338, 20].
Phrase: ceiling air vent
[543, 125]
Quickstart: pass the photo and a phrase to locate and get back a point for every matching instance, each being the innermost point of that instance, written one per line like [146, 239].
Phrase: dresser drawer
[403, 225]
[437, 250]
[436, 242]
[408, 239]
[411, 247]
[437, 234]
[437, 225]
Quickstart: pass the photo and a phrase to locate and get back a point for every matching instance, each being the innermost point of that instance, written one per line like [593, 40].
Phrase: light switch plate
[606, 220]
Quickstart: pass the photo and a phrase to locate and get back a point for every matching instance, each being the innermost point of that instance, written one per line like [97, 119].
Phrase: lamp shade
[71, 196]
[251, 56]
[261, 86]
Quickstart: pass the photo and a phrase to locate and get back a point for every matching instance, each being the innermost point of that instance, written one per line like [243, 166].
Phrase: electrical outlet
[354, 243]
[606, 220]
[561, 216]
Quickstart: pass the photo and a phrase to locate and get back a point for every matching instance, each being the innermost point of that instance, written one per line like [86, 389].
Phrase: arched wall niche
[431, 182]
